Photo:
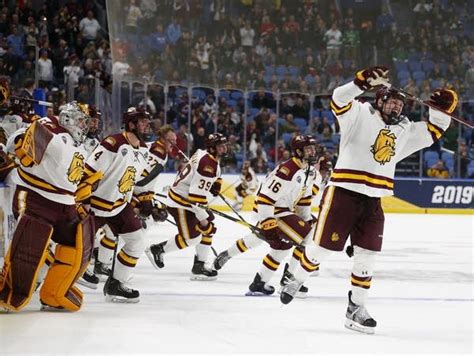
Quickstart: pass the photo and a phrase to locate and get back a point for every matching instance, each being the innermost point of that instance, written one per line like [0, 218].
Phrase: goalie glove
[444, 99]
[87, 186]
[369, 78]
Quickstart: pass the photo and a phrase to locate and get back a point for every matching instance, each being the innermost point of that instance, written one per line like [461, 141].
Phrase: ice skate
[221, 260]
[358, 318]
[155, 255]
[259, 288]
[202, 273]
[89, 280]
[102, 271]
[287, 278]
[117, 292]
[289, 291]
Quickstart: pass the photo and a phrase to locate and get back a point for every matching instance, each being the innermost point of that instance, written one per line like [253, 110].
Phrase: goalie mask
[305, 148]
[390, 103]
[216, 144]
[74, 117]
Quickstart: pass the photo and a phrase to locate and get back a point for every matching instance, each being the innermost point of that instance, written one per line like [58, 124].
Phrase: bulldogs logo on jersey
[76, 168]
[384, 146]
[127, 182]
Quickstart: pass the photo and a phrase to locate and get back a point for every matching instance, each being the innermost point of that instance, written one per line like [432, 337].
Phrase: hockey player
[301, 208]
[122, 157]
[373, 139]
[93, 136]
[147, 186]
[284, 212]
[92, 140]
[248, 184]
[52, 159]
[194, 184]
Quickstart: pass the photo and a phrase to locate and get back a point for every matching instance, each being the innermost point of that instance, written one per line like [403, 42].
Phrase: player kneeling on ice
[373, 139]
[122, 157]
[51, 156]
[196, 182]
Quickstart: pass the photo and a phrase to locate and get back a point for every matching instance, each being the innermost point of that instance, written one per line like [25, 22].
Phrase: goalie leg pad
[25, 257]
[58, 289]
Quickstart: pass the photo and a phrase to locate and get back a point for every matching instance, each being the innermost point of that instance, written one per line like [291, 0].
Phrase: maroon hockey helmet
[384, 94]
[133, 115]
[298, 144]
[95, 123]
[214, 140]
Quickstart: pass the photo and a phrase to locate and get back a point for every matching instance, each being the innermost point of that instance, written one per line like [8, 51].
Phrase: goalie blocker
[41, 220]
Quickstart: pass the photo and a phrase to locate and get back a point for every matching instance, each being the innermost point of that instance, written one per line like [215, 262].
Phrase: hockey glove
[269, 229]
[444, 99]
[372, 77]
[159, 212]
[208, 230]
[25, 159]
[216, 187]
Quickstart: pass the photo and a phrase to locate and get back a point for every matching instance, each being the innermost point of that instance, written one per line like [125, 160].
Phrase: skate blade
[121, 300]
[352, 325]
[84, 283]
[152, 259]
[256, 294]
[299, 295]
[200, 278]
[314, 274]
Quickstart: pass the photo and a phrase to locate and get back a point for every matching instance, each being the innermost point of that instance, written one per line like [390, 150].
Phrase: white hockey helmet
[74, 117]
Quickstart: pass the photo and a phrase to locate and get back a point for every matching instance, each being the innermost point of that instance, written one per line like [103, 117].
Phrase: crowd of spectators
[266, 46]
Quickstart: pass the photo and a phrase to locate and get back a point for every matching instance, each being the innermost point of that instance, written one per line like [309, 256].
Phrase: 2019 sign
[450, 194]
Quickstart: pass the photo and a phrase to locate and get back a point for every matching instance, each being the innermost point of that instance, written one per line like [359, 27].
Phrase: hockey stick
[253, 228]
[226, 189]
[426, 103]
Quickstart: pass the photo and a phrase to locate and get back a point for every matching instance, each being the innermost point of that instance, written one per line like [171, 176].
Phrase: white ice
[421, 297]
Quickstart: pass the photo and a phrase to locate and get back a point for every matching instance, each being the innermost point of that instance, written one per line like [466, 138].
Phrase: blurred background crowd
[258, 71]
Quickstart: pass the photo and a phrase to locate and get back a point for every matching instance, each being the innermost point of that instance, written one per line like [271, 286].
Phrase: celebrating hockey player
[373, 139]
[52, 159]
[194, 184]
[146, 187]
[283, 208]
[122, 157]
[248, 184]
[301, 208]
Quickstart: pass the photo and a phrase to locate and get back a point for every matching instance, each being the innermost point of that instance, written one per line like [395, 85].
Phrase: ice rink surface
[421, 297]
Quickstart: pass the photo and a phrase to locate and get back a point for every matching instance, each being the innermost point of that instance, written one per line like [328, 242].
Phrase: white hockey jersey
[370, 149]
[157, 155]
[121, 164]
[57, 175]
[288, 189]
[193, 182]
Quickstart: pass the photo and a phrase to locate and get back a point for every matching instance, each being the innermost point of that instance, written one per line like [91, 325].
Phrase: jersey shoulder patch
[158, 149]
[207, 166]
[113, 142]
[287, 170]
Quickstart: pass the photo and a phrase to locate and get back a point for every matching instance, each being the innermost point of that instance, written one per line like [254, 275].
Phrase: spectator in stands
[289, 126]
[89, 26]
[28, 88]
[247, 36]
[45, 70]
[438, 170]
[333, 39]
[15, 42]
[173, 31]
